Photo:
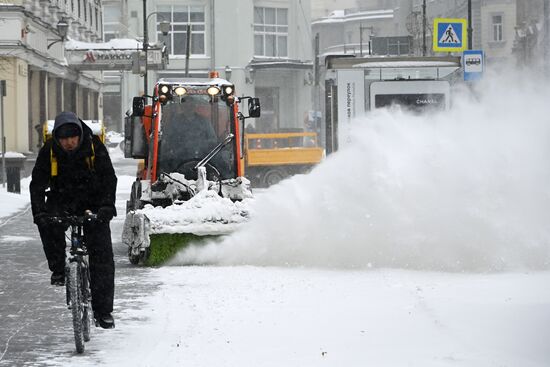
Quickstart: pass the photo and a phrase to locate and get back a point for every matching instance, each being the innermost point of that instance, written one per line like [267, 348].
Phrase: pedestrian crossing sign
[450, 35]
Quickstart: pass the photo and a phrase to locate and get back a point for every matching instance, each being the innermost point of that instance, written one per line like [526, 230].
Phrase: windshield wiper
[214, 151]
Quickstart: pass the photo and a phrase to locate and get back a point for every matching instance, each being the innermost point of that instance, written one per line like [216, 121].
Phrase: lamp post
[164, 28]
[62, 29]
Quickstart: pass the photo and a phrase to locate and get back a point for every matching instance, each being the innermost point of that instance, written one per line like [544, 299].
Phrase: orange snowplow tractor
[156, 127]
[240, 160]
[147, 121]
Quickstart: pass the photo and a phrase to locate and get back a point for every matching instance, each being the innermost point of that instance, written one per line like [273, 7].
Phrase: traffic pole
[470, 28]
[424, 47]
[145, 46]
[546, 44]
[2, 93]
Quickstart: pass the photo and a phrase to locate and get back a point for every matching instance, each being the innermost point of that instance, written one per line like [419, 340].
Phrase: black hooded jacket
[78, 185]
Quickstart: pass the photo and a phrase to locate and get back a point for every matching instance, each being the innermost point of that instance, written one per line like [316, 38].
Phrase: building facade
[508, 31]
[39, 83]
[263, 46]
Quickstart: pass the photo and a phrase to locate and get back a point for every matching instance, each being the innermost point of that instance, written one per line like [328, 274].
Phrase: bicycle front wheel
[86, 306]
[74, 284]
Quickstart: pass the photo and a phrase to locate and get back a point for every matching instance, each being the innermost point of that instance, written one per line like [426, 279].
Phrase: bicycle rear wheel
[74, 290]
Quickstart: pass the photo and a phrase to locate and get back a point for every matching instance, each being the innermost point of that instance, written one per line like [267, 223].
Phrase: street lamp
[228, 72]
[361, 29]
[164, 28]
[62, 29]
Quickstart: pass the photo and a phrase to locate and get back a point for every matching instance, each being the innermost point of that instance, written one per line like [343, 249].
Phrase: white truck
[356, 85]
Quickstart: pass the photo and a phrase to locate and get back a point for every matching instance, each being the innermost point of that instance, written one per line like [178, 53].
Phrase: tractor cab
[191, 123]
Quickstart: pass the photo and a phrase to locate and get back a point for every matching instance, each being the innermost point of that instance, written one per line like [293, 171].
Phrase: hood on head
[62, 124]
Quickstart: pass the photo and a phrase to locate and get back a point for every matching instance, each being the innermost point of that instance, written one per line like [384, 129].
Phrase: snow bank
[462, 190]
[13, 203]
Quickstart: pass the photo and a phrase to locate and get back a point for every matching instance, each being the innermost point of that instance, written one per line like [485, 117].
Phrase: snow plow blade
[155, 234]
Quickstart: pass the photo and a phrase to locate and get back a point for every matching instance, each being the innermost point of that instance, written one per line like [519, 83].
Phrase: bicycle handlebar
[75, 219]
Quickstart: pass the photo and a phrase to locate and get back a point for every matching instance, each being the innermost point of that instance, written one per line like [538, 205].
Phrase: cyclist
[73, 173]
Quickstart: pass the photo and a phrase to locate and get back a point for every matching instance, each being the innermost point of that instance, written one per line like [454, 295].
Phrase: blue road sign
[450, 35]
[473, 64]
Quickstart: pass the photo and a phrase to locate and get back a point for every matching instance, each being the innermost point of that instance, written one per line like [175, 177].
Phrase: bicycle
[77, 277]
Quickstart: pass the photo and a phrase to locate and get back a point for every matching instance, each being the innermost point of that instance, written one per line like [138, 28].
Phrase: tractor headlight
[164, 89]
[228, 90]
[213, 91]
[180, 91]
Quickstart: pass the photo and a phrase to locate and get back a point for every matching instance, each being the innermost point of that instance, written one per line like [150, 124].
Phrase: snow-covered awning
[117, 54]
[260, 63]
[406, 64]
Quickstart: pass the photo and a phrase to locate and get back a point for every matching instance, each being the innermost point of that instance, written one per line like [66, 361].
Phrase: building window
[111, 21]
[497, 28]
[270, 32]
[179, 17]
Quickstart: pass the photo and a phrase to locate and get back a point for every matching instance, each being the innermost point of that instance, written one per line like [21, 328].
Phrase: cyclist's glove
[41, 219]
[105, 214]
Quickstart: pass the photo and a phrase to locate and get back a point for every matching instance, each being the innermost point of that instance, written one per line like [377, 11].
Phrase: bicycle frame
[77, 276]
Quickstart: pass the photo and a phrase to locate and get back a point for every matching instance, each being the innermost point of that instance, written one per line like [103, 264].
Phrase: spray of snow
[463, 190]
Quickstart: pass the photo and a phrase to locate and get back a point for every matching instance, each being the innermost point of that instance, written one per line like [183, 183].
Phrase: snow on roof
[13, 155]
[113, 44]
[339, 16]
[406, 64]
[195, 81]
[337, 13]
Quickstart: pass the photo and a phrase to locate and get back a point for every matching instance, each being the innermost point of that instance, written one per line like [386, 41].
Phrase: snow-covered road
[252, 316]
[423, 243]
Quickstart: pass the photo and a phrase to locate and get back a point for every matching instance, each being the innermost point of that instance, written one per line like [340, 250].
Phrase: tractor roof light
[180, 91]
[213, 91]
[228, 90]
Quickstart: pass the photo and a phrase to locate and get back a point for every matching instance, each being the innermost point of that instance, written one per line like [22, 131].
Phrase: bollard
[13, 179]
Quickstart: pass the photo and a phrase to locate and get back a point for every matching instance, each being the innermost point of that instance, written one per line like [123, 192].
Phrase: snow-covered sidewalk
[14, 203]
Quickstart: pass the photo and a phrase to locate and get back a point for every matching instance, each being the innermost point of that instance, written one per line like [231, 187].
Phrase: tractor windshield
[190, 128]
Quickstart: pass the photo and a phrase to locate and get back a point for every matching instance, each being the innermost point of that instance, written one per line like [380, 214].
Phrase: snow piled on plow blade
[204, 214]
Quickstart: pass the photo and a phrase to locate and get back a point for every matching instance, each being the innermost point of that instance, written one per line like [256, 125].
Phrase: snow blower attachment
[191, 185]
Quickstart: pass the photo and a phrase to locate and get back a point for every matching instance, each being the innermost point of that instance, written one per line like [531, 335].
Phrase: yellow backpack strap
[53, 163]
[90, 161]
